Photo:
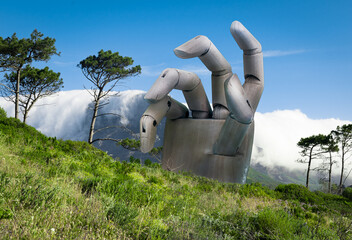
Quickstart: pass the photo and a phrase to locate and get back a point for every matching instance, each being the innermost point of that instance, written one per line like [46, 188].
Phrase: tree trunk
[25, 116]
[330, 169]
[342, 168]
[17, 93]
[28, 107]
[308, 170]
[94, 117]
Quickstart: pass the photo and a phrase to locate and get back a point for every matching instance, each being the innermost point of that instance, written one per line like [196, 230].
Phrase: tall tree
[34, 84]
[330, 147]
[104, 71]
[16, 53]
[312, 148]
[343, 135]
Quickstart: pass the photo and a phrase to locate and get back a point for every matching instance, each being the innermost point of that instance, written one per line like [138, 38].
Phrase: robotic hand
[212, 143]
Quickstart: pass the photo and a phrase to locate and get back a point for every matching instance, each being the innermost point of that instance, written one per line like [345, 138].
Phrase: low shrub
[276, 224]
[5, 213]
[205, 184]
[255, 190]
[148, 162]
[297, 192]
[89, 184]
[347, 193]
[2, 113]
[155, 180]
[134, 160]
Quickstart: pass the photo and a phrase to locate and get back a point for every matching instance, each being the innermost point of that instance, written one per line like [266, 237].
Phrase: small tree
[34, 84]
[343, 136]
[312, 148]
[104, 72]
[16, 53]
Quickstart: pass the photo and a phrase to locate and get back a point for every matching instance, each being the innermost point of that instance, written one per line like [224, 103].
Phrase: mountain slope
[59, 189]
[255, 176]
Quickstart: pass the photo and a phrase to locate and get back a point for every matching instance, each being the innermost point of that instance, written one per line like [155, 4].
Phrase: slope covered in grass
[58, 189]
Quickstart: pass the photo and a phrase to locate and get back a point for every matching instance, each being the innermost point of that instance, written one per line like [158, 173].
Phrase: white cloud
[66, 114]
[280, 53]
[153, 70]
[199, 70]
[277, 134]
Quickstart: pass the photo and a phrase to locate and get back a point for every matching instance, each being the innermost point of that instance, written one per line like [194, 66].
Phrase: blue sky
[307, 44]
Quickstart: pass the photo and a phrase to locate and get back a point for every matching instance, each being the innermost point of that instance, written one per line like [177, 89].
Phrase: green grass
[54, 189]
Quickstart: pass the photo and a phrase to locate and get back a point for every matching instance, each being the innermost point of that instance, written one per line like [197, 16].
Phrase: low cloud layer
[66, 115]
[277, 134]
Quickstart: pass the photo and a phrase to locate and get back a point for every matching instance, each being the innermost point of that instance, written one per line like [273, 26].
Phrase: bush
[255, 190]
[297, 192]
[155, 180]
[347, 193]
[276, 224]
[89, 184]
[5, 213]
[134, 160]
[148, 162]
[2, 113]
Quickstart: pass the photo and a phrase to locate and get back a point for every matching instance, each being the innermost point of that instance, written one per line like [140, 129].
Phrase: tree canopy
[339, 141]
[104, 71]
[311, 148]
[16, 53]
[107, 67]
[34, 84]
[343, 135]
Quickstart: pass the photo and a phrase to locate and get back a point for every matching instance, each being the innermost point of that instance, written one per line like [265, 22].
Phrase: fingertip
[147, 133]
[181, 54]
[163, 85]
[146, 146]
[235, 26]
[245, 40]
[195, 47]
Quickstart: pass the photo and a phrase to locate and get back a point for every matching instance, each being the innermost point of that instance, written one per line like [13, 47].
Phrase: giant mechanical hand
[213, 143]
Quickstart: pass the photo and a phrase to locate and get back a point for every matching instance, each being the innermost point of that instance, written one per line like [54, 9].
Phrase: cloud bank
[277, 134]
[67, 115]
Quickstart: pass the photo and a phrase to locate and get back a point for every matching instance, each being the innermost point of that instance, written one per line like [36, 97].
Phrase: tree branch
[101, 129]
[106, 139]
[103, 114]
[7, 88]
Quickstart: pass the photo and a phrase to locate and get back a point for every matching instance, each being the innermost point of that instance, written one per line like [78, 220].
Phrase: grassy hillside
[54, 189]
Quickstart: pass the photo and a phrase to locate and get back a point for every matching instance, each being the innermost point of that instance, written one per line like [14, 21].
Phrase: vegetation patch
[54, 189]
[347, 193]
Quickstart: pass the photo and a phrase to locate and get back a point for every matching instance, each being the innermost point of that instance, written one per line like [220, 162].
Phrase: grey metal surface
[191, 86]
[156, 111]
[210, 145]
[211, 57]
[183, 151]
